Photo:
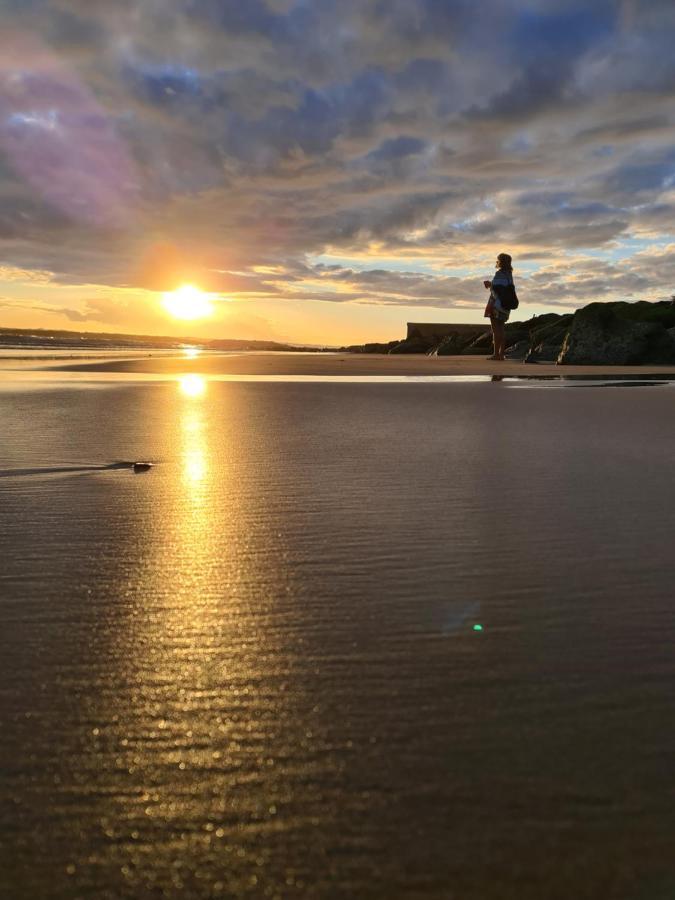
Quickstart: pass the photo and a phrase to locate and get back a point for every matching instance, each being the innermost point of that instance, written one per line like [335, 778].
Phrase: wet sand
[348, 364]
[255, 671]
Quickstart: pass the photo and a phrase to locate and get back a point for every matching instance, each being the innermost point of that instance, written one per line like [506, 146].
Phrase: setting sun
[188, 302]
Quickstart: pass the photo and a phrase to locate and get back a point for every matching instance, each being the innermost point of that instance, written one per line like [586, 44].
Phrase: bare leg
[500, 340]
[498, 337]
[494, 323]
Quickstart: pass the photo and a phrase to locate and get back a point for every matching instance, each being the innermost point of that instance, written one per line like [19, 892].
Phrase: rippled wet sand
[253, 671]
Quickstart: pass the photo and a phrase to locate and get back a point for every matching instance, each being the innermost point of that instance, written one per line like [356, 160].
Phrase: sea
[345, 638]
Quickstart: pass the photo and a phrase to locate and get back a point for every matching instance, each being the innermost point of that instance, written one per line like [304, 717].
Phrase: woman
[494, 310]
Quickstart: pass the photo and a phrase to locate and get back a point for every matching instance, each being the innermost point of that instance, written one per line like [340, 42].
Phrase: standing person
[494, 310]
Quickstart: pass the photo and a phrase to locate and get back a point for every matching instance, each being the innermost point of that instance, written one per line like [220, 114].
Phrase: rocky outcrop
[481, 345]
[547, 338]
[452, 345]
[411, 345]
[598, 334]
[609, 334]
[437, 340]
[518, 351]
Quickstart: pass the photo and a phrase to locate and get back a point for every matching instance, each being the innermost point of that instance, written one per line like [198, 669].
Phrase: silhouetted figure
[494, 310]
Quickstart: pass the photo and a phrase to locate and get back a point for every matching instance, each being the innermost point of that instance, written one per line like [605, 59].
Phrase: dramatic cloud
[366, 152]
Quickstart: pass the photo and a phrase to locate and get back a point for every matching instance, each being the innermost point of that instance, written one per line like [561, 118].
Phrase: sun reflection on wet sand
[213, 754]
[207, 676]
[192, 385]
[192, 423]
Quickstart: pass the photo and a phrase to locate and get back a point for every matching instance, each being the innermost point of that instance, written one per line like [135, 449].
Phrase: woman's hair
[504, 261]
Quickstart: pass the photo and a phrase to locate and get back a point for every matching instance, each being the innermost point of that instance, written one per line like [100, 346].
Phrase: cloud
[217, 142]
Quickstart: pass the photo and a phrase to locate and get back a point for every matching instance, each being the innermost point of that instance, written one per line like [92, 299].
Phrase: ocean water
[342, 640]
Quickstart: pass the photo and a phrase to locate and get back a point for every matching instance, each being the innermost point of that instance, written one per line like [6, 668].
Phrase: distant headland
[39, 339]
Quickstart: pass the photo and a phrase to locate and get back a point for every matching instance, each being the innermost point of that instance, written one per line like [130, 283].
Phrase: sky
[328, 170]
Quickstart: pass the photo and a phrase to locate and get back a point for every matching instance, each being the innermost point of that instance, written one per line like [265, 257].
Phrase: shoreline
[339, 364]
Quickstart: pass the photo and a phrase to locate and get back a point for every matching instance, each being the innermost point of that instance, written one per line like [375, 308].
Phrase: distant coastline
[599, 334]
[60, 339]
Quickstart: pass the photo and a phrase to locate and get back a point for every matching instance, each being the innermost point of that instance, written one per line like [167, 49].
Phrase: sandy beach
[301, 630]
[346, 365]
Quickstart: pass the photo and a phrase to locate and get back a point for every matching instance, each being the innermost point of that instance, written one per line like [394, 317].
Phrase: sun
[188, 302]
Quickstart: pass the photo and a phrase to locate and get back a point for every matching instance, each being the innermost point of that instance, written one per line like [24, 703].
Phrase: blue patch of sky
[527, 266]
[398, 148]
[627, 246]
[565, 33]
[159, 81]
[636, 177]
[624, 248]
[37, 119]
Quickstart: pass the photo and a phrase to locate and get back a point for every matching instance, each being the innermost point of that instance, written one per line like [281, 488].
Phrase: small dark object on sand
[142, 466]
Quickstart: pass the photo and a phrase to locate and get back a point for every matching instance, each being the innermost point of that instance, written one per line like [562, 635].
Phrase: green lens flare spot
[477, 627]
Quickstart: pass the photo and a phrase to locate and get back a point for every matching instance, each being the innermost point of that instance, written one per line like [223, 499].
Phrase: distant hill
[42, 339]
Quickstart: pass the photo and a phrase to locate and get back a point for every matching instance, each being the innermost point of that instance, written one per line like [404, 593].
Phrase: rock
[662, 313]
[518, 350]
[611, 335]
[379, 348]
[547, 332]
[547, 338]
[480, 345]
[412, 345]
[537, 322]
[545, 352]
[515, 332]
[452, 345]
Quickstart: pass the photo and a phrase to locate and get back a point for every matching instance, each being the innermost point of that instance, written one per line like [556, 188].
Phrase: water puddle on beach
[26, 380]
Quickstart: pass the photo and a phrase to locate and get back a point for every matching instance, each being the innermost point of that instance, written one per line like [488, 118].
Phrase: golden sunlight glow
[191, 352]
[188, 302]
[194, 465]
[192, 421]
[192, 385]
